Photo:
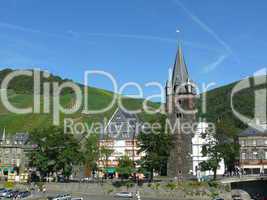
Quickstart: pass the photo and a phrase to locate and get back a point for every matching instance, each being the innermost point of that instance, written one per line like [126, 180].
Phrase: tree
[220, 145]
[226, 133]
[156, 146]
[105, 154]
[125, 167]
[211, 150]
[91, 152]
[55, 151]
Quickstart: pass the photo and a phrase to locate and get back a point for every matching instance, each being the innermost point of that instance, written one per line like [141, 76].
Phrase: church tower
[180, 105]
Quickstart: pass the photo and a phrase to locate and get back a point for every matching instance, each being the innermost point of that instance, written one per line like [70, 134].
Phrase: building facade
[13, 153]
[120, 137]
[198, 141]
[253, 151]
[180, 105]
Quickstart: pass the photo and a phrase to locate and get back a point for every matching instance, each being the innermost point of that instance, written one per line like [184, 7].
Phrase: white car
[86, 179]
[4, 193]
[62, 197]
[124, 194]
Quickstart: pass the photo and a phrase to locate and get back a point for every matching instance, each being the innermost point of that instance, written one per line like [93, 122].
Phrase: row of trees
[58, 153]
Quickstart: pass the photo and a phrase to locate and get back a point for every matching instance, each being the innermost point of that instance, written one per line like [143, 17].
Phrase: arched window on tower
[186, 89]
[179, 115]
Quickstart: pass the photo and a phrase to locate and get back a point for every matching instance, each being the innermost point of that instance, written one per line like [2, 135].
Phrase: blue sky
[135, 40]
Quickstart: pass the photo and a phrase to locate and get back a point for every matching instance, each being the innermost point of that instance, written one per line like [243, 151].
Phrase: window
[129, 143]
[129, 153]
[254, 142]
[179, 115]
[243, 156]
[260, 142]
[18, 151]
[255, 155]
[18, 162]
[242, 143]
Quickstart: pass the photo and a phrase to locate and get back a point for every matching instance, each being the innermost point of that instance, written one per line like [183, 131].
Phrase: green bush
[195, 184]
[171, 186]
[155, 186]
[9, 185]
[213, 184]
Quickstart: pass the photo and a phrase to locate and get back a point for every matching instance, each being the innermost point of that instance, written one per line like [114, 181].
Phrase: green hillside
[219, 103]
[20, 93]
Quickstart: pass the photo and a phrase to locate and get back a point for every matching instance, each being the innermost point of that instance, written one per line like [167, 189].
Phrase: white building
[197, 143]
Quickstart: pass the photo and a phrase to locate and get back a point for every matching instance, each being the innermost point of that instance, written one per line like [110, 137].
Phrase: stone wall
[164, 190]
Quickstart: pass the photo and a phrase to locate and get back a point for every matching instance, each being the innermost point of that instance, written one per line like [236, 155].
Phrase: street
[87, 196]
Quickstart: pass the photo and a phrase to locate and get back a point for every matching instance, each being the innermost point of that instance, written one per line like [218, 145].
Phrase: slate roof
[252, 132]
[180, 72]
[19, 138]
[122, 126]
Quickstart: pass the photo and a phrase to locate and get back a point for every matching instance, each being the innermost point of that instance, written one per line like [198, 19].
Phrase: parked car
[87, 179]
[218, 198]
[77, 198]
[12, 194]
[4, 193]
[236, 197]
[23, 194]
[124, 195]
[62, 197]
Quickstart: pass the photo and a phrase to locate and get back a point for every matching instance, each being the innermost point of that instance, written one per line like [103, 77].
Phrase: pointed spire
[180, 73]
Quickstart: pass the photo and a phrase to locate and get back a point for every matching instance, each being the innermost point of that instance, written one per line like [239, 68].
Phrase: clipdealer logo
[51, 92]
[258, 80]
